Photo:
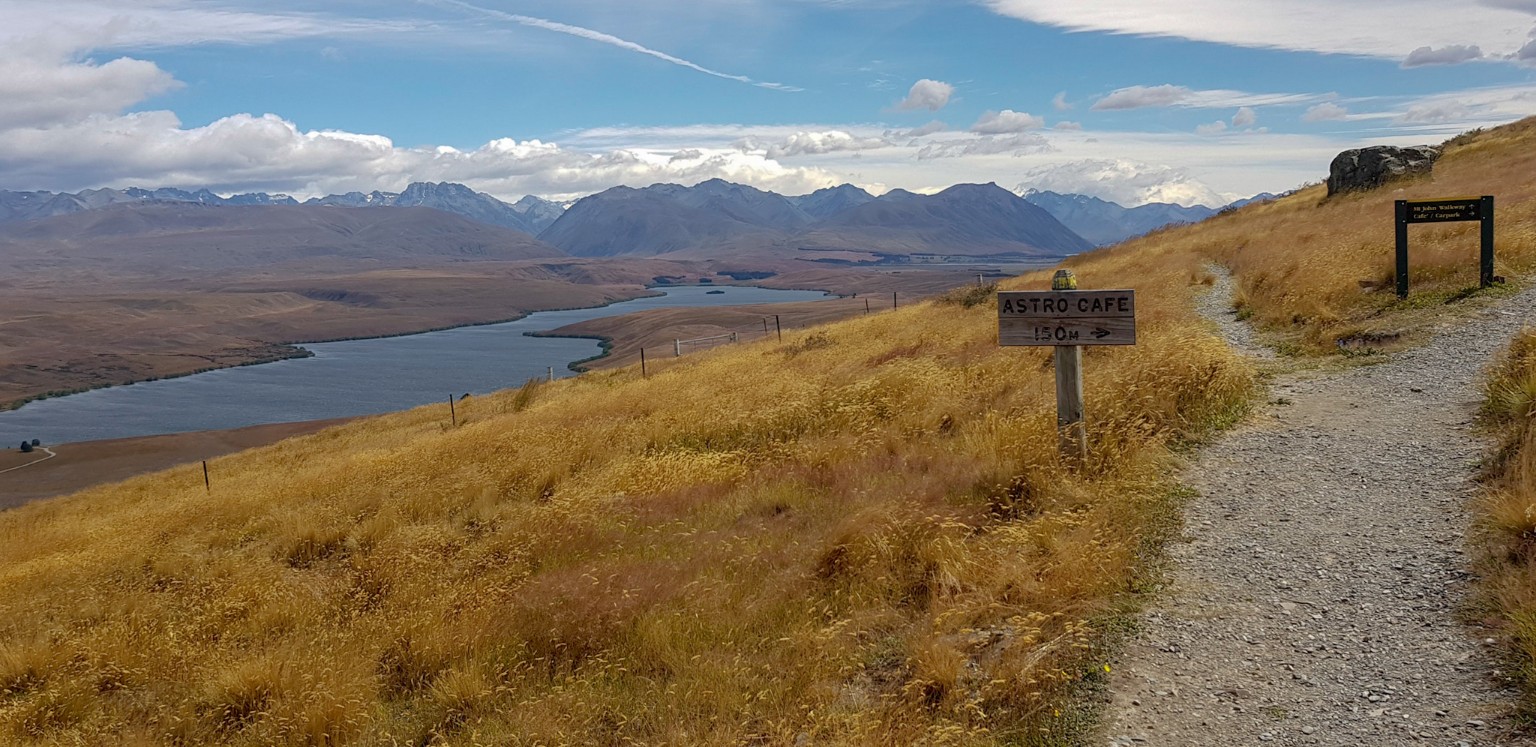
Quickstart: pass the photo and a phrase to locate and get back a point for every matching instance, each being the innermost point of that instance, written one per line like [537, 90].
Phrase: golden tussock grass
[862, 535]
[1316, 271]
[1507, 506]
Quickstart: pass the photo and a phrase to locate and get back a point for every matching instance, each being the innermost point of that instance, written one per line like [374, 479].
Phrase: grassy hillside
[1317, 271]
[1507, 509]
[861, 535]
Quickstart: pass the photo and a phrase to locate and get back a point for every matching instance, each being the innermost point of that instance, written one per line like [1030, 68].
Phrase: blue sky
[1131, 100]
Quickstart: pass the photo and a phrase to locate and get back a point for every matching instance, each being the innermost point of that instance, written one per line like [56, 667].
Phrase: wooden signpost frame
[1066, 319]
[1447, 210]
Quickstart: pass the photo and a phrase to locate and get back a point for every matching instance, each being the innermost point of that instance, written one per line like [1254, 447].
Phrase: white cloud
[1214, 128]
[1141, 97]
[1435, 113]
[1527, 53]
[1388, 29]
[1325, 112]
[1245, 117]
[604, 38]
[1452, 112]
[1060, 102]
[1006, 122]
[1129, 183]
[1138, 97]
[41, 88]
[1450, 54]
[71, 25]
[932, 95]
[1066, 126]
[244, 153]
[932, 128]
[818, 143]
[1015, 145]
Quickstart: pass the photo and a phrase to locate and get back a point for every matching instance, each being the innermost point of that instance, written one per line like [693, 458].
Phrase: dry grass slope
[1507, 508]
[1317, 272]
[859, 536]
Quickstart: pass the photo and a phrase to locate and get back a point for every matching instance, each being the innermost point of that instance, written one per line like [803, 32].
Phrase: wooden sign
[1448, 210]
[1444, 211]
[1066, 318]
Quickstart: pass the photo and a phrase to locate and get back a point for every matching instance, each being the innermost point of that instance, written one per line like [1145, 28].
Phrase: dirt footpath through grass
[1319, 592]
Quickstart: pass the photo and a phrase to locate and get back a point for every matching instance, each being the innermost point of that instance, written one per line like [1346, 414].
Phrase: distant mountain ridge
[530, 215]
[717, 217]
[1103, 222]
[147, 238]
[720, 218]
[964, 220]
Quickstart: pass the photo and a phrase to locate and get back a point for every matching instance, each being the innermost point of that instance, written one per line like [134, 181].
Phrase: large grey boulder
[1369, 168]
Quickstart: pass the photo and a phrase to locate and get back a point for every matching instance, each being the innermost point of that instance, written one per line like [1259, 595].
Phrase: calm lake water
[357, 377]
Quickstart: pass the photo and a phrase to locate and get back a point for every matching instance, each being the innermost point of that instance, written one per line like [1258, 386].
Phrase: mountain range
[530, 215]
[192, 240]
[718, 217]
[1103, 223]
[715, 218]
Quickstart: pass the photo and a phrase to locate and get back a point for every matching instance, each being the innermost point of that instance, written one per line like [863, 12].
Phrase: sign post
[1449, 210]
[1067, 319]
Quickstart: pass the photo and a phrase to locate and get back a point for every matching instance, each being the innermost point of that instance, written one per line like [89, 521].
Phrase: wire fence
[772, 327]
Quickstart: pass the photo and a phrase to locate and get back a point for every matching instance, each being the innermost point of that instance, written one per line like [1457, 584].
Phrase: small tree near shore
[26, 447]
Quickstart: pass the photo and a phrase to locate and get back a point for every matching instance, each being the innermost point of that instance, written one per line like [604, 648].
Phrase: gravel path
[1216, 305]
[1315, 598]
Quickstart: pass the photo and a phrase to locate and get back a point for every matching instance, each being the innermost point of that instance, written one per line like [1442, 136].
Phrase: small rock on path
[1315, 598]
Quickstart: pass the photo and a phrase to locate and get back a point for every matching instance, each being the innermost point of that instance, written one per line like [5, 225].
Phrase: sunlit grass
[862, 535]
[1314, 270]
[1507, 506]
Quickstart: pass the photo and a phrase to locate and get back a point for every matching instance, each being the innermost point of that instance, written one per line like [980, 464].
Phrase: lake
[350, 378]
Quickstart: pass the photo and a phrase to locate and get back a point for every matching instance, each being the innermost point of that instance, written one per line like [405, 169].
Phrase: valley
[117, 286]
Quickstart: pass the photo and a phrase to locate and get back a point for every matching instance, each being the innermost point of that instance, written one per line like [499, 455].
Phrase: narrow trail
[29, 464]
[1315, 597]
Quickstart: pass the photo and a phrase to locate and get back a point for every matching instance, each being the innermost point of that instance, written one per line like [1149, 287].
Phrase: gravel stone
[1314, 598]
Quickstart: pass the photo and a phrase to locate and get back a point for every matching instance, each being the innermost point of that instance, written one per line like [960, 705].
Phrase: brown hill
[966, 220]
[717, 220]
[150, 239]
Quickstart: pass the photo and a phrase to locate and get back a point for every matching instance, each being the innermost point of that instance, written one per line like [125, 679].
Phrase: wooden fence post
[778, 328]
[207, 483]
[453, 412]
[677, 348]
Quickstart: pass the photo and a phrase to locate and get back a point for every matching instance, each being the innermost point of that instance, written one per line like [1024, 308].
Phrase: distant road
[29, 464]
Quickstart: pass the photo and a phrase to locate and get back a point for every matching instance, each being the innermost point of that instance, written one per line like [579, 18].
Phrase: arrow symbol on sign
[1100, 333]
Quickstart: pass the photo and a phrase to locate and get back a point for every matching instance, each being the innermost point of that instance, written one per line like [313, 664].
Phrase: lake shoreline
[82, 465]
[298, 351]
[357, 377]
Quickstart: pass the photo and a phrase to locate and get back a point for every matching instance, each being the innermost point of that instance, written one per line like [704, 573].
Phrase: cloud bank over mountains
[72, 117]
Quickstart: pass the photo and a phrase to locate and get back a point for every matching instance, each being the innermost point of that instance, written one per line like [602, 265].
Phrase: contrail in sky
[610, 39]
